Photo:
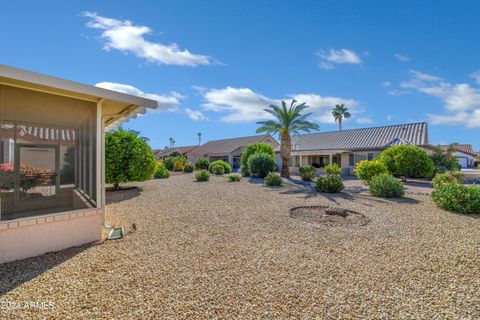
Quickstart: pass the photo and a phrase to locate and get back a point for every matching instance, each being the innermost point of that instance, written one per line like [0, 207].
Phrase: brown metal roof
[226, 146]
[465, 148]
[168, 151]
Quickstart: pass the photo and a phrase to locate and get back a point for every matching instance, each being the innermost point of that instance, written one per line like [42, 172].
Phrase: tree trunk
[116, 186]
[340, 123]
[285, 152]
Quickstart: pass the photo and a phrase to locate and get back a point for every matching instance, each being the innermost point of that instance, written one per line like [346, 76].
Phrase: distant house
[229, 150]
[464, 153]
[348, 147]
[163, 153]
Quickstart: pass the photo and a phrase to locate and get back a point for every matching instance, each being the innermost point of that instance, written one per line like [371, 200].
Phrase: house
[184, 151]
[348, 147]
[52, 160]
[229, 150]
[464, 154]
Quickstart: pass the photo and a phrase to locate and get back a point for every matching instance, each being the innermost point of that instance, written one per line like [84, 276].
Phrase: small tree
[128, 157]
[260, 164]
[252, 149]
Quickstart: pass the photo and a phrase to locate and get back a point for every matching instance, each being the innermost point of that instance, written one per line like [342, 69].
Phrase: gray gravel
[230, 250]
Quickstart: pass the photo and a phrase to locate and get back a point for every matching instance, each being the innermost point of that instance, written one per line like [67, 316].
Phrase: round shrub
[170, 162]
[386, 186]
[202, 176]
[448, 177]
[244, 171]
[202, 164]
[408, 161]
[217, 169]
[273, 180]
[234, 178]
[334, 169]
[226, 167]
[161, 172]
[329, 184]
[260, 164]
[253, 149]
[307, 173]
[188, 167]
[365, 170]
[178, 166]
[457, 197]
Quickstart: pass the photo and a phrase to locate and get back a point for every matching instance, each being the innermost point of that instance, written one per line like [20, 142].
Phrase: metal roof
[365, 138]
[168, 151]
[226, 146]
[465, 148]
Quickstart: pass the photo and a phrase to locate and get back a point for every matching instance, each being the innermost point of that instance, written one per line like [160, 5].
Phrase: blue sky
[213, 65]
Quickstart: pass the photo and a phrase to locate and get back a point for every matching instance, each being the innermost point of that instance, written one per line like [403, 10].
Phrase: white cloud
[195, 114]
[476, 76]
[328, 59]
[165, 102]
[390, 117]
[246, 105]
[461, 100]
[124, 36]
[364, 120]
[401, 57]
[386, 84]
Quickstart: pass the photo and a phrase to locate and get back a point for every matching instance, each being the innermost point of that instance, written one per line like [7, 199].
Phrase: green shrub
[273, 180]
[408, 161]
[244, 171]
[224, 164]
[175, 154]
[127, 158]
[178, 166]
[443, 161]
[386, 186]
[365, 170]
[307, 173]
[253, 149]
[188, 167]
[260, 164]
[448, 177]
[202, 176]
[329, 184]
[234, 178]
[202, 164]
[170, 162]
[334, 169]
[217, 169]
[161, 172]
[457, 197]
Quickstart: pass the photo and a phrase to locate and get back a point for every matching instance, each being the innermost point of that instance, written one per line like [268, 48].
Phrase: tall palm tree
[287, 121]
[339, 113]
[171, 142]
[199, 138]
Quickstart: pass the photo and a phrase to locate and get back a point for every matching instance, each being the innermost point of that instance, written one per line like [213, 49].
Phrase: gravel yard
[231, 250]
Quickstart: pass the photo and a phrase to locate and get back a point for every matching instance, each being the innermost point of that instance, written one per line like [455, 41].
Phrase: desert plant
[161, 172]
[334, 169]
[234, 178]
[446, 178]
[457, 197]
[329, 184]
[307, 173]
[385, 185]
[287, 121]
[170, 162]
[128, 157]
[226, 167]
[202, 164]
[178, 166]
[260, 164]
[217, 169]
[273, 180]
[339, 113]
[188, 167]
[365, 170]
[202, 176]
[407, 161]
[252, 149]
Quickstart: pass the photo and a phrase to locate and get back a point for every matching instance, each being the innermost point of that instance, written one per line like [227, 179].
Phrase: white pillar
[230, 159]
[100, 157]
[330, 159]
[300, 157]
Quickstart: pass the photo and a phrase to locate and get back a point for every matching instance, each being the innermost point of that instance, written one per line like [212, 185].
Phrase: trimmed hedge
[260, 164]
[188, 168]
[253, 149]
[329, 184]
[273, 180]
[217, 169]
[226, 167]
[161, 172]
[202, 176]
[457, 198]
[365, 170]
[386, 186]
[408, 161]
[202, 164]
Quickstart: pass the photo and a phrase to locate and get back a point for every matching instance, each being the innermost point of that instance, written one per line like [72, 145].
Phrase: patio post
[330, 159]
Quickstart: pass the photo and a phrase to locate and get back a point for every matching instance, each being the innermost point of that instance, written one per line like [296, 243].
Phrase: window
[351, 160]
[369, 156]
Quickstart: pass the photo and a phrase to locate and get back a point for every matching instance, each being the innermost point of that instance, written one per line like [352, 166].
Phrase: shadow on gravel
[14, 274]
[122, 194]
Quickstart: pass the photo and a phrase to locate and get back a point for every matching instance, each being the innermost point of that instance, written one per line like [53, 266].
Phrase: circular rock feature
[329, 216]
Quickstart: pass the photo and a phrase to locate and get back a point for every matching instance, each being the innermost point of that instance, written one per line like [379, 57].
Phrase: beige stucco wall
[34, 236]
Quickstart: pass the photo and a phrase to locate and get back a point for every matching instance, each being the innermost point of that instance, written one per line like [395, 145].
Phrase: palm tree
[339, 113]
[171, 142]
[199, 138]
[287, 121]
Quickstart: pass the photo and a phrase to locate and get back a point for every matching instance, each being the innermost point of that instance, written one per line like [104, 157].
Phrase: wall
[34, 236]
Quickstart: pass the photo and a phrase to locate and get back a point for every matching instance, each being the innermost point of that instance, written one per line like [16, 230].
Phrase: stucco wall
[34, 236]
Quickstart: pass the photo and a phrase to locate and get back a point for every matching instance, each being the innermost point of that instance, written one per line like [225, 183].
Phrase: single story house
[464, 153]
[348, 147]
[161, 154]
[229, 150]
[52, 160]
